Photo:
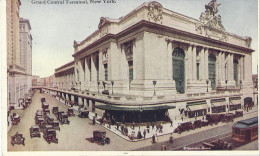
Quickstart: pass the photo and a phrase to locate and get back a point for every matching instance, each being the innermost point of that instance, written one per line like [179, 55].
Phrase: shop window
[106, 72]
[178, 69]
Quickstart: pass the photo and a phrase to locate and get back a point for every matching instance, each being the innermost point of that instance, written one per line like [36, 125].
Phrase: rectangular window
[198, 71]
[106, 72]
[130, 65]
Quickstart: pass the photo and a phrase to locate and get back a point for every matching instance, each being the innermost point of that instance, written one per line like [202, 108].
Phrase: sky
[56, 26]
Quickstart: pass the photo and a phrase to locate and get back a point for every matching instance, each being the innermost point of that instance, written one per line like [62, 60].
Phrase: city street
[72, 137]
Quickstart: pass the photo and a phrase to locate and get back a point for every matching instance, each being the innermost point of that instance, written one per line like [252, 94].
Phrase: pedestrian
[117, 125]
[133, 125]
[153, 138]
[156, 138]
[171, 139]
[152, 126]
[171, 124]
[94, 120]
[144, 133]
[126, 131]
[181, 118]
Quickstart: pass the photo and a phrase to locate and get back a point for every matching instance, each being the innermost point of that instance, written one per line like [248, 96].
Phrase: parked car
[38, 113]
[84, 114]
[15, 119]
[35, 131]
[185, 126]
[100, 137]
[55, 110]
[239, 113]
[71, 112]
[45, 106]
[17, 139]
[58, 115]
[46, 111]
[228, 117]
[64, 119]
[49, 119]
[56, 125]
[50, 136]
[43, 100]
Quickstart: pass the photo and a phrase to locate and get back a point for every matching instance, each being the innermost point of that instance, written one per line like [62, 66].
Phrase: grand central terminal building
[154, 63]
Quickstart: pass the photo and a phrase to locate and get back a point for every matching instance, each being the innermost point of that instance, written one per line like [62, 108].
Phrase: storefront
[137, 114]
[196, 108]
[234, 103]
[218, 105]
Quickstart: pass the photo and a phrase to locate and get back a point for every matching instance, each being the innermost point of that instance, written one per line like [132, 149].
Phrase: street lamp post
[207, 81]
[79, 85]
[226, 83]
[112, 82]
[240, 84]
[154, 83]
[98, 85]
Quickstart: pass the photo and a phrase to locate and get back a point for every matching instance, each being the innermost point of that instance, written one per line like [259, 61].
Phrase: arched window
[212, 70]
[178, 69]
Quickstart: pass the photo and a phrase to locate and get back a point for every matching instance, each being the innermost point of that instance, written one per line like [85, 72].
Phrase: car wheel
[102, 142]
[107, 140]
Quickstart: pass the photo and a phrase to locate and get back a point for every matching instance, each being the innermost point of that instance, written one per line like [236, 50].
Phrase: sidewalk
[167, 128]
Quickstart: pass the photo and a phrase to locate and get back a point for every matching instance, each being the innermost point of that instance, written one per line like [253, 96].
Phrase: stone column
[202, 64]
[231, 67]
[169, 60]
[194, 64]
[228, 68]
[93, 73]
[87, 73]
[220, 62]
[242, 68]
[223, 66]
[189, 62]
[206, 69]
[101, 66]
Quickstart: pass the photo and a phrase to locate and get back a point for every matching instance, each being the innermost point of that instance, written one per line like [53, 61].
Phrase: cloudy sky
[55, 27]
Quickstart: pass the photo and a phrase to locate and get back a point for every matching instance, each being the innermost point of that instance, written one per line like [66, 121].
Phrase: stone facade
[19, 55]
[160, 57]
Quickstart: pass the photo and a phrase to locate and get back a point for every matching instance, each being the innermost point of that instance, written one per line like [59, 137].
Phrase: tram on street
[245, 131]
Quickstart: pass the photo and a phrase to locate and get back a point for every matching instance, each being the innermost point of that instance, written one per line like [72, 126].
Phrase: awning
[235, 102]
[135, 108]
[197, 107]
[217, 104]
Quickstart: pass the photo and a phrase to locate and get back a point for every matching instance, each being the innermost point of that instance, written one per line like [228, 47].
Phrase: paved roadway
[73, 137]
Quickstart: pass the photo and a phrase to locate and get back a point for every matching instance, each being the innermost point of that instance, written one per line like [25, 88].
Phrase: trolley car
[245, 131]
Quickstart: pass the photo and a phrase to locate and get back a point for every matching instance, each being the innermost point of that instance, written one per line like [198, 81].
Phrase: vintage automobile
[217, 145]
[71, 112]
[64, 118]
[214, 118]
[17, 139]
[43, 100]
[15, 119]
[38, 113]
[228, 117]
[56, 125]
[45, 106]
[35, 131]
[84, 114]
[49, 119]
[185, 126]
[55, 110]
[238, 113]
[46, 127]
[46, 111]
[197, 124]
[100, 137]
[50, 136]
[58, 115]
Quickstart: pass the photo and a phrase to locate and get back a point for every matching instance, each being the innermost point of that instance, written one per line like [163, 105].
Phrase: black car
[84, 114]
[35, 131]
[50, 136]
[100, 137]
